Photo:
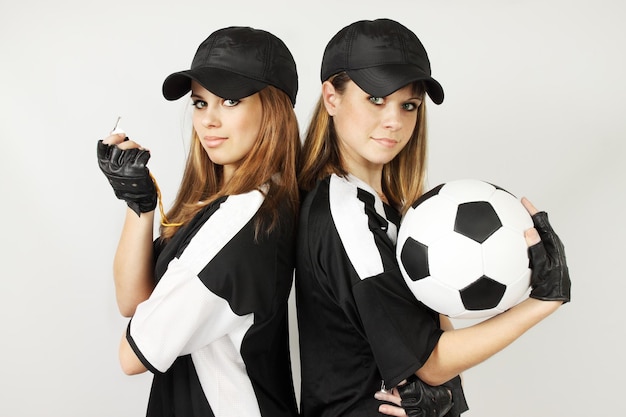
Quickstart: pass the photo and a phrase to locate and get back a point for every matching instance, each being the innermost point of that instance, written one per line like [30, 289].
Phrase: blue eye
[199, 104]
[377, 100]
[409, 106]
[230, 103]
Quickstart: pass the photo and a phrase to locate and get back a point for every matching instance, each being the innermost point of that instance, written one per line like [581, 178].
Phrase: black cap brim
[383, 80]
[222, 83]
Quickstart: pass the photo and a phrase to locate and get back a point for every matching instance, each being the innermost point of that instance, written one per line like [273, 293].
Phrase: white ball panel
[461, 269]
[466, 190]
[476, 314]
[425, 222]
[438, 296]
[511, 212]
[505, 255]
[516, 291]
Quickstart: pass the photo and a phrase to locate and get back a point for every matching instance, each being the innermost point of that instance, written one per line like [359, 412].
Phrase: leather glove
[129, 176]
[550, 276]
[422, 400]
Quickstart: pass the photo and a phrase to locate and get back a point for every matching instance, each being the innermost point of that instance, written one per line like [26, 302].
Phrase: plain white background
[534, 103]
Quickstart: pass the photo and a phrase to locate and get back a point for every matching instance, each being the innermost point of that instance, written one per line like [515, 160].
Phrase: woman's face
[227, 129]
[371, 130]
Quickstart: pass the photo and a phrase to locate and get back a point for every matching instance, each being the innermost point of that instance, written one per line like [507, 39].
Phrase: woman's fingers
[532, 237]
[130, 144]
[121, 141]
[114, 139]
[529, 206]
[388, 396]
[390, 410]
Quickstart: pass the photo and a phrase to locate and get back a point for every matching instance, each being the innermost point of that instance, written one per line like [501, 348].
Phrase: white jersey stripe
[351, 221]
[221, 227]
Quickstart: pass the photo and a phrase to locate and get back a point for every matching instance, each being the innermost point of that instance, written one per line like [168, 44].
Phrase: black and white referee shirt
[214, 331]
[358, 321]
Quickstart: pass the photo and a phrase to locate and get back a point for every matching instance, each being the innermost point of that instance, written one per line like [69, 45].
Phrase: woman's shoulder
[331, 197]
[335, 189]
[226, 211]
[348, 195]
[249, 199]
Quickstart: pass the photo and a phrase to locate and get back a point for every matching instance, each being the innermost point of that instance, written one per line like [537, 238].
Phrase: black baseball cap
[380, 56]
[236, 62]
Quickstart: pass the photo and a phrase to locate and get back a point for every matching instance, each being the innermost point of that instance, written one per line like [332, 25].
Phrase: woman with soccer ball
[363, 165]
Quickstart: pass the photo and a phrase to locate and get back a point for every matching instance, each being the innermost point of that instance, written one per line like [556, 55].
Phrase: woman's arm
[459, 350]
[124, 164]
[445, 323]
[133, 266]
[131, 365]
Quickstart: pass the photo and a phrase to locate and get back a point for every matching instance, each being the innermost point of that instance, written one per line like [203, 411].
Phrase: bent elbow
[434, 374]
[125, 311]
[126, 369]
[127, 305]
[432, 378]
[129, 362]
[131, 370]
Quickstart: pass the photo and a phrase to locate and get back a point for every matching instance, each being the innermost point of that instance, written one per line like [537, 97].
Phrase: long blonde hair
[273, 160]
[403, 177]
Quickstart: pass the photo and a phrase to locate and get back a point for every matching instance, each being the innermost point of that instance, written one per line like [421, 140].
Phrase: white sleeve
[182, 314]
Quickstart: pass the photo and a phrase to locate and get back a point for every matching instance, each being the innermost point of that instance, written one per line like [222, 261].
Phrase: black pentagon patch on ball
[482, 294]
[414, 257]
[477, 220]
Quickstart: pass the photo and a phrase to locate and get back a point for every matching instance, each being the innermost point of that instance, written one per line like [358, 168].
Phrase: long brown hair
[403, 177]
[273, 160]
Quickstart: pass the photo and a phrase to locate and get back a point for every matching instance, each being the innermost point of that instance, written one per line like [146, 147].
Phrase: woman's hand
[391, 396]
[122, 141]
[415, 398]
[550, 276]
[123, 162]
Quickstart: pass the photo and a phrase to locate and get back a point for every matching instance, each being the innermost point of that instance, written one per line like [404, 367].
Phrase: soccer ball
[462, 251]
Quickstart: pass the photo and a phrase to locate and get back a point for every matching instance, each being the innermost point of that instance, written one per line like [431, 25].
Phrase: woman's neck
[372, 176]
[227, 175]
[369, 186]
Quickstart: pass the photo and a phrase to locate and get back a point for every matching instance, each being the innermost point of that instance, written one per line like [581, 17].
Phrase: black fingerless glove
[550, 277]
[422, 400]
[129, 176]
